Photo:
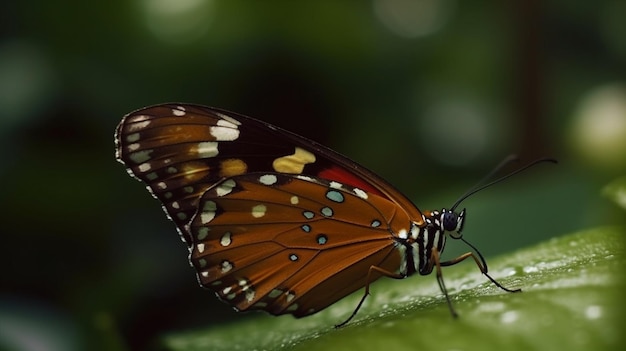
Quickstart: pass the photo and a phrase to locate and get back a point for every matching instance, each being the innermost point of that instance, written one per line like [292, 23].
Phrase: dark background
[428, 93]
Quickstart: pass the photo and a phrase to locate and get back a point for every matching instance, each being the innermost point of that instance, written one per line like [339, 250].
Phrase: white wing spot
[207, 149]
[294, 200]
[206, 217]
[290, 296]
[144, 167]
[226, 239]
[226, 290]
[200, 248]
[133, 147]
[227, 119]
[206, 275]
[360, 193]
[179, 111]
[225, 187]
[140, 156]
[258, 211]
[139, 118]
[226, 266]
[268, 179]
[250, 295]
[175, 205]
[131, 138]
[161, 185]
[138, 126]
[224, 133]
[336, 185]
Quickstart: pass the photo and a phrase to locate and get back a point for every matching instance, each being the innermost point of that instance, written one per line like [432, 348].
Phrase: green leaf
[571, 300]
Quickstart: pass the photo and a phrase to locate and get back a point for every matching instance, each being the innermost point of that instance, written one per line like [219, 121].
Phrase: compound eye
[450, 221]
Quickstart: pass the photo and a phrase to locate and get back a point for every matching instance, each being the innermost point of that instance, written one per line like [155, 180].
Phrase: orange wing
[291, 244]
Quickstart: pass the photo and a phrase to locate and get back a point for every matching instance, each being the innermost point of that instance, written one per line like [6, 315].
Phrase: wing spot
[207, 216]
[131, 138]
[227, 119]
[334, 195]
[233, 167]
[290, 295]
[172, 170]
[226, 239]
[322, 239]
[207, 149]
[327, 211]
[140, 156]
[294, 200]
[205, 274]
[293, 257]
[336, 185]
[181, 215]
[360, 193]
[215, 283]
[188, 189]
[144, 167]
[161, 185]
[294, 163]
[151, 176]
[133, 147]
[250, 294]
[202, 233]
[138, 125]
[225, 188]
[179, 111]
[292, 307]
[375, 223]
[168, 195]
[306, 228]
[202, 263]
[268, 179]
[224, 133]
[226, 266]
[275, 293]
[200, 248]
[258, 211]
[226, 290]
[175, 205]
[308, 214]
[260, 304]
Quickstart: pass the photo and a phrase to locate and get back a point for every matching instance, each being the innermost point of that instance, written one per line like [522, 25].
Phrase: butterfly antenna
[480, 186]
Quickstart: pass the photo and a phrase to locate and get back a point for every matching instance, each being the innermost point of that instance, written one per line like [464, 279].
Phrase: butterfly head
[452, 222]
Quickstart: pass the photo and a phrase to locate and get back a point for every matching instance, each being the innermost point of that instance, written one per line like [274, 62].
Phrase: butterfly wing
[290, 244]
[180, 151]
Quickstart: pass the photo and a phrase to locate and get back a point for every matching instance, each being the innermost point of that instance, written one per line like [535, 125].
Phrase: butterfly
[277, 222]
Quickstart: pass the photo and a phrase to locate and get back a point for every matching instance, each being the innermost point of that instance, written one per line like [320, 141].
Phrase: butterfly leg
[369, 279]
[481, 265]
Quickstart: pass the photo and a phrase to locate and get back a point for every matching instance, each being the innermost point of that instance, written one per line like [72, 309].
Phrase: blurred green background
[428, 93]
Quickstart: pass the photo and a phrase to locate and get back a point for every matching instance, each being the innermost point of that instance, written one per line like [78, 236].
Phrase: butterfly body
[274, 221]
